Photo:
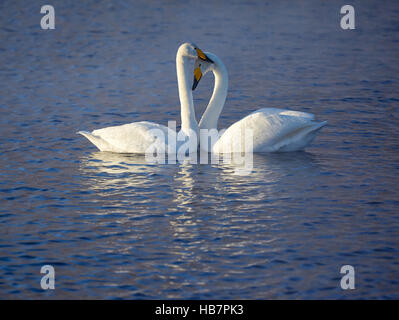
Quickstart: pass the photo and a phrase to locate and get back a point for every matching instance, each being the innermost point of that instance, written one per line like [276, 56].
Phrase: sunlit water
[115, 226]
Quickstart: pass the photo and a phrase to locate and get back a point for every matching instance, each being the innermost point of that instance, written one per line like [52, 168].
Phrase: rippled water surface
[114, 226]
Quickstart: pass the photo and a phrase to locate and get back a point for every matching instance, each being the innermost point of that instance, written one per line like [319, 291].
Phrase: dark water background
[116, 227]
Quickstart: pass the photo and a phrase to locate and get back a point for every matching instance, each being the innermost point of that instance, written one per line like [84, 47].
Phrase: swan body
[136, 137]
[141, 137]
[271, 129]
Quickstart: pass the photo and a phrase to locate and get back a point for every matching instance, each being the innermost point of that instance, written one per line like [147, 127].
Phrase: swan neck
[188, 119]
[211, 115]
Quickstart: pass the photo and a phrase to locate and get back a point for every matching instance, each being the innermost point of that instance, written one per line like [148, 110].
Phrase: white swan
[272, 129]
[138, 137]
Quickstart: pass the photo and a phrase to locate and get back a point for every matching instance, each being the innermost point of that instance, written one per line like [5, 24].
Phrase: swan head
[203, 66]
[191, 50]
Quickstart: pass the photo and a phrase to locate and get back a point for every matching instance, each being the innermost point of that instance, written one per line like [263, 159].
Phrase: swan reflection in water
[177, 204]
[186, 186]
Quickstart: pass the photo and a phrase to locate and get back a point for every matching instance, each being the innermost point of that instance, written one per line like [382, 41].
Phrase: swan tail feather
[100, 143]
[300, 139]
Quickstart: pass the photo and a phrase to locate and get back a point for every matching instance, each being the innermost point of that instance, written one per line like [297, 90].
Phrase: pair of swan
[271, 129]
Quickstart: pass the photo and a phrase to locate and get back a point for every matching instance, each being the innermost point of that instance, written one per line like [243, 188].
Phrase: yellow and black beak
[197, 71]
[197, 77]
[201, 55]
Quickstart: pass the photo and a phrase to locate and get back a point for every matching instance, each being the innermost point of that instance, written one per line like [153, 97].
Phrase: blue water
[114, 226]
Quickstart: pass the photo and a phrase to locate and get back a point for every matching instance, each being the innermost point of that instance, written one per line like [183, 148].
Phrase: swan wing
[272, 130]
[134, 137]
[273, 111]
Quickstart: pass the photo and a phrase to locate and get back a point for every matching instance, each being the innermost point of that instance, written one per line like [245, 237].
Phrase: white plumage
[143, 137]
[270, 129]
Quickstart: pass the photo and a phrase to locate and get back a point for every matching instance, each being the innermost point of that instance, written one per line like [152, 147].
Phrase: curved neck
[188, 120]
[211, 115]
